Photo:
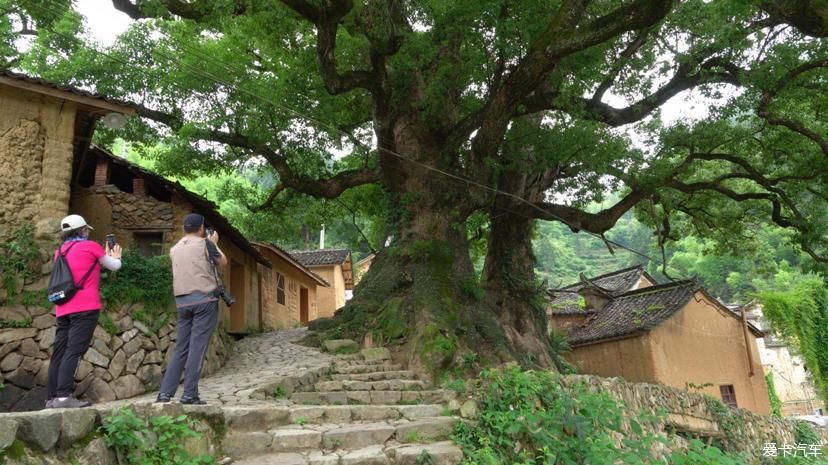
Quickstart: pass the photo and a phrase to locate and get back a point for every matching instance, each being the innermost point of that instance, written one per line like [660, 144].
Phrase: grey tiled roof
[616, 282]
[321, 257]
[565, 303]
[634, 312]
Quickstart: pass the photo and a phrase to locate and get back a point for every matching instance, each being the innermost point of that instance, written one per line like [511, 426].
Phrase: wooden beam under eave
[90, 102]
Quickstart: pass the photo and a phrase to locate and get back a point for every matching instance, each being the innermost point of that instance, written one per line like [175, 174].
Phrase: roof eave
[86, 100]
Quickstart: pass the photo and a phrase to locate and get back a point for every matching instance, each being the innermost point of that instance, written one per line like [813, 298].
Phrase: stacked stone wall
[124, 363]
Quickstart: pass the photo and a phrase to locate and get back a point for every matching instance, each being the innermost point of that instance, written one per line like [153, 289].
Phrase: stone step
[375, 376]
[373, 397]
[339, 414]
[357, 435]
[362, 368]
[385, 385]
[441, 453]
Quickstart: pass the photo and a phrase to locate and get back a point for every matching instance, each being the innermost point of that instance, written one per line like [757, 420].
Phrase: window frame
[728, 395]
[281, 297]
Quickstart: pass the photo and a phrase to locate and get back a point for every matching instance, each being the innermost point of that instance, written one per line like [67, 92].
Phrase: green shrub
[19, 259]
[158, 441]
[528, 418]
[144, 280]
[775, 403]
[15, 323]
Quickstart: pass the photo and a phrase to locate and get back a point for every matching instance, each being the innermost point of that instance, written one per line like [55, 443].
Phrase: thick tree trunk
[421, 295]
[511, 290]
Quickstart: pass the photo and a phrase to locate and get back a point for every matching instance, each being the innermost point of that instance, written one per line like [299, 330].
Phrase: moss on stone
[16, 451]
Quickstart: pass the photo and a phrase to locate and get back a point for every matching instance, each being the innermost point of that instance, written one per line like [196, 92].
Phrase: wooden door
[238, 320]
[303, 306]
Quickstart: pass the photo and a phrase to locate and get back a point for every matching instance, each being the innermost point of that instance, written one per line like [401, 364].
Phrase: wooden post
[747, 341]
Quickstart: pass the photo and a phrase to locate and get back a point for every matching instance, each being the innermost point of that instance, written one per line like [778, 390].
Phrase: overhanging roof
[280, 252]
[85, 98]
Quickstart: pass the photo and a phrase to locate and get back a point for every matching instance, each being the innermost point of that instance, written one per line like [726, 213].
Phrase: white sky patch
[105, 23]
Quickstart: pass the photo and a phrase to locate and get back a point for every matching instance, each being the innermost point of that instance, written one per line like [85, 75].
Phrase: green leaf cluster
[158, 440]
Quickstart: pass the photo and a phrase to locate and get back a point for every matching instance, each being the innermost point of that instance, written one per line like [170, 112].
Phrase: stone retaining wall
[691, 414]
[118, 365]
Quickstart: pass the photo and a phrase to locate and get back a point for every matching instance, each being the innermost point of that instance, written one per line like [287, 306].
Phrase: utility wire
[210, 76]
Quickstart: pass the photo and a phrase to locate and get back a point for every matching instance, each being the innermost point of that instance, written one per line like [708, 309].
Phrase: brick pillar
[139, 187]
[102, 172]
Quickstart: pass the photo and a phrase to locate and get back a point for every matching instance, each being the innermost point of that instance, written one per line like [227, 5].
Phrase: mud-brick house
[624, 324]
[336, 268]
[43, 128]
[289, 290]
[146, 212]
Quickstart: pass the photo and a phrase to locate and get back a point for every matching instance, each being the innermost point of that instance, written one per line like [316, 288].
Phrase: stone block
[124, 324]
[284, 458]
[414, 412]
[83, 370]
[116, 343]
[339, 345]
[96, 453]
[469, 409]
[42, 376]
[314, 414]
[132, 346]
[358, 397]
[47, 338]
[101, 333]
[373, 455]
[385, 397]
[6, 349]
[11, 362]
[321, 458]
[15, 312]
[142, 327]
[134, 361]
[41, 429]
[427, 429]
[376, 354]
[154, 357]
[239, 445]
[129, 335]
[21, 378]
[44, 321]
[77, 423]
[16, 334]
[127, 386]
[118, 364]
[245, 419]
[29, 348]
[357, 436]
[99, 391]
[96, 358]
[374, 413]
[8, 431]
[295, 439]
[442, 453]
[102, 347]
[150, 375]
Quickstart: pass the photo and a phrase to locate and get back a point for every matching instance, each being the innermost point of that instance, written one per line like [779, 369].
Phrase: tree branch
[774, 119]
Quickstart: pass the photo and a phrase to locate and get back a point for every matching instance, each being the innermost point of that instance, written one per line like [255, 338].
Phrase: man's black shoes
[162, 398]
[192, 400]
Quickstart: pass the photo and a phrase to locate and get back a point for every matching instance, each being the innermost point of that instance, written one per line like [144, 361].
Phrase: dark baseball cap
[193, 221]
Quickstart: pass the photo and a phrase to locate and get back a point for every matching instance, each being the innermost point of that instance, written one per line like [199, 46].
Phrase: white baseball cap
[73, 222]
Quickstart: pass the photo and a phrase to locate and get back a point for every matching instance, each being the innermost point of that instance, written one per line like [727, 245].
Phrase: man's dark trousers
[196, 324]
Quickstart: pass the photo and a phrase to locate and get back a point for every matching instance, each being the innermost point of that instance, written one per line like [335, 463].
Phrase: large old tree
[516, 109]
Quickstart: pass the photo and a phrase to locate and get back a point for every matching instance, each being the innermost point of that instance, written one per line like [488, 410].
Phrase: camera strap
[212, 264]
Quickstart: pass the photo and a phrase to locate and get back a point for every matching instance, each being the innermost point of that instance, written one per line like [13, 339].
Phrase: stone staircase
[363, 412]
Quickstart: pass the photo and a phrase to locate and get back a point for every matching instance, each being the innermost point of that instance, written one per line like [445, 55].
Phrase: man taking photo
[195, 286]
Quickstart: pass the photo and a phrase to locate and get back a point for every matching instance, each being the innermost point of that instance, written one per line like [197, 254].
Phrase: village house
[289, 290]
[625, 324]
[362, 266]
[792, 380]
[335, 267]
[51, 169]
[146, 212]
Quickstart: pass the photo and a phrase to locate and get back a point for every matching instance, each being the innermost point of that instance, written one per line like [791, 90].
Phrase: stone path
[285, 404]
[255, 361]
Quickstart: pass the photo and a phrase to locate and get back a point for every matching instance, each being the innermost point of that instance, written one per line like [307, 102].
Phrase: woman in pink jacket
[77, 318]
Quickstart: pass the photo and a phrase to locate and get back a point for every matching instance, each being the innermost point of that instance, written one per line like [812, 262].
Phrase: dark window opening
[728, 394]
[280, 288]
[149, 244]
